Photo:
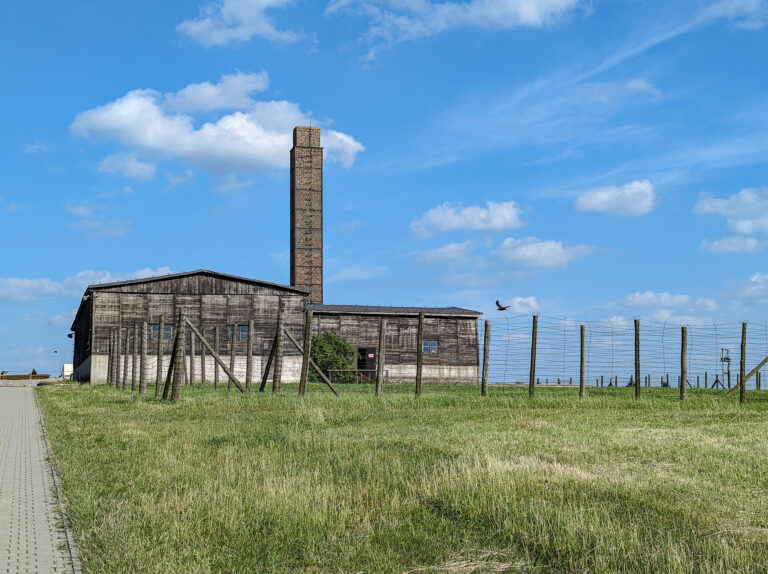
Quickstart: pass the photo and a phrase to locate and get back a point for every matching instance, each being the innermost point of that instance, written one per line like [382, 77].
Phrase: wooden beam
[532, 372]
[683, 361]
[743, 364]
[637, 358]
[486, 356]
[216, 357]
[581, 364]
[143, 379]
[249, 356]
[312, 364]
[278, 372]
[265, 376]
[306, 353]
[179, 368]
[420, 353]
[159, 374]
[381, 356]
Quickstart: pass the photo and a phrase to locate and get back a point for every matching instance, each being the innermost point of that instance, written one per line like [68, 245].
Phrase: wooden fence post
[532, 372]
[111, 358]
[249, 356]
[216, 350]
[202, 357]
[270, 359]
[683, 362]
[486, 355]
[143, 380]
[178, 373]
[126, 348]
[173, 366]
[277, 373]
[420, 353]
[192, 351]
[134, 357]
[743, 364]
[306, 354]
[159, 374]
[581, 364]
[637, 358]
[380, 356]
[232, 351]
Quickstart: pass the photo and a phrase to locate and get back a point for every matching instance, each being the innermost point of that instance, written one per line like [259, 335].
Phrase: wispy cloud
[358, 273]
[35, 147]
[453, 253]
[733, 245]
[536, 253]
[34, 289]
[633, 198]
[495, 216]
[392, 21]
[745, 212]
[236, 21]
[127, 165]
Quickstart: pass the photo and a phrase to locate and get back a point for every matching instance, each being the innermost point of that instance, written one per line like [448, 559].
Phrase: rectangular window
[429, 347]
[242, 332]
[155, 329]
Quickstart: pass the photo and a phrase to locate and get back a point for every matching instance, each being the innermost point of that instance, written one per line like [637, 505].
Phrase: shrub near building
[331, 352]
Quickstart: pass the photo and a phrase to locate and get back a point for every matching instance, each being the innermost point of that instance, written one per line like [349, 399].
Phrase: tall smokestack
[307, 212]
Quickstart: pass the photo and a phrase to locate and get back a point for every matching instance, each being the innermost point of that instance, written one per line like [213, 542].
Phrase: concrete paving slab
[32, 538]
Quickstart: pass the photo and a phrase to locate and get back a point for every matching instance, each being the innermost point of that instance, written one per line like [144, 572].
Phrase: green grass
[449, 483]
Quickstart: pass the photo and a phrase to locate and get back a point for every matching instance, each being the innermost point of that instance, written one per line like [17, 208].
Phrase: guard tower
[307, 212]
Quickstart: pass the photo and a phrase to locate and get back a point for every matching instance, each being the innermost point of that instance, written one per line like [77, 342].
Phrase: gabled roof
[171, 276]
[391, 310]
[156, 278]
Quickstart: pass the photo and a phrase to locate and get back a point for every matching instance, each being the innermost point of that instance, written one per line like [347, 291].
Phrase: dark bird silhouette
[501, 307]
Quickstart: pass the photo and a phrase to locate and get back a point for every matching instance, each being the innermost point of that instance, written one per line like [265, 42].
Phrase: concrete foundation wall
[432, 374]
[98, 367]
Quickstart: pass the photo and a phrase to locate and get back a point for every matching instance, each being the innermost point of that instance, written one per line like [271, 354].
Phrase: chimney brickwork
[307, 212]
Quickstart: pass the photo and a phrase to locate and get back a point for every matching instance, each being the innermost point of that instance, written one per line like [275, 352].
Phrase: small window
[155, 329]
[429, 347]
[242, 333]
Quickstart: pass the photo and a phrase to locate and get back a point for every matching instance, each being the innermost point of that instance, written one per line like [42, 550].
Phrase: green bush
[331, 351]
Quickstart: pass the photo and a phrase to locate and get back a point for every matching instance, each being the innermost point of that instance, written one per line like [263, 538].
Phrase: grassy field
[449, 483]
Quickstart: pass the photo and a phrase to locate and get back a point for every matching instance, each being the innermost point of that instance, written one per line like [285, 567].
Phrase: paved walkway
[31, 537]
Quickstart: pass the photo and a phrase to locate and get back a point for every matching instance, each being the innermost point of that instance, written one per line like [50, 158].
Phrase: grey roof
[97, 286]
[392, 310]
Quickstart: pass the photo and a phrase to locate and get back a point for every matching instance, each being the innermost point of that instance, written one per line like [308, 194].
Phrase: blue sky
[579, 159]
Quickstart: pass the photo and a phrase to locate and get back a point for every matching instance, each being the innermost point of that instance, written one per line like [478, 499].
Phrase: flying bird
[501, 307]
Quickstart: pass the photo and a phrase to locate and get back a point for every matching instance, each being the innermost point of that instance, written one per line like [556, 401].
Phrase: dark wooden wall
[456, 337]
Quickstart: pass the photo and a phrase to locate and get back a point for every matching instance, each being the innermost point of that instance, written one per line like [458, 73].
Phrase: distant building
[215, 300]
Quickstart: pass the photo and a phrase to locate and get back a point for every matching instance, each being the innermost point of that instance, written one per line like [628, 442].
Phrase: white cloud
[537, 253]
[358, 273]
[63, 319]
[231, 182]
[34, 147]
[177, 180]
[14, 207]
[747, 14]
[25, 290]
[455, 253]
[633, 198]
[653, 299]
[448, 217]
[349, 226]
[233, 91]
[80, 210]
[235, 21]
[746, 212]
[127, 165]
[258, 138]
[394, 21]
[755, 289]
[733, 245]
[97, 227]
[522, 304]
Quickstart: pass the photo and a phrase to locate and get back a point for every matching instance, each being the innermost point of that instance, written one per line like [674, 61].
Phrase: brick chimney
[307, 212]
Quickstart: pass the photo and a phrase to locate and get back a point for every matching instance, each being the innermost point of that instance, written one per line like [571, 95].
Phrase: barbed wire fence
[712, 352]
